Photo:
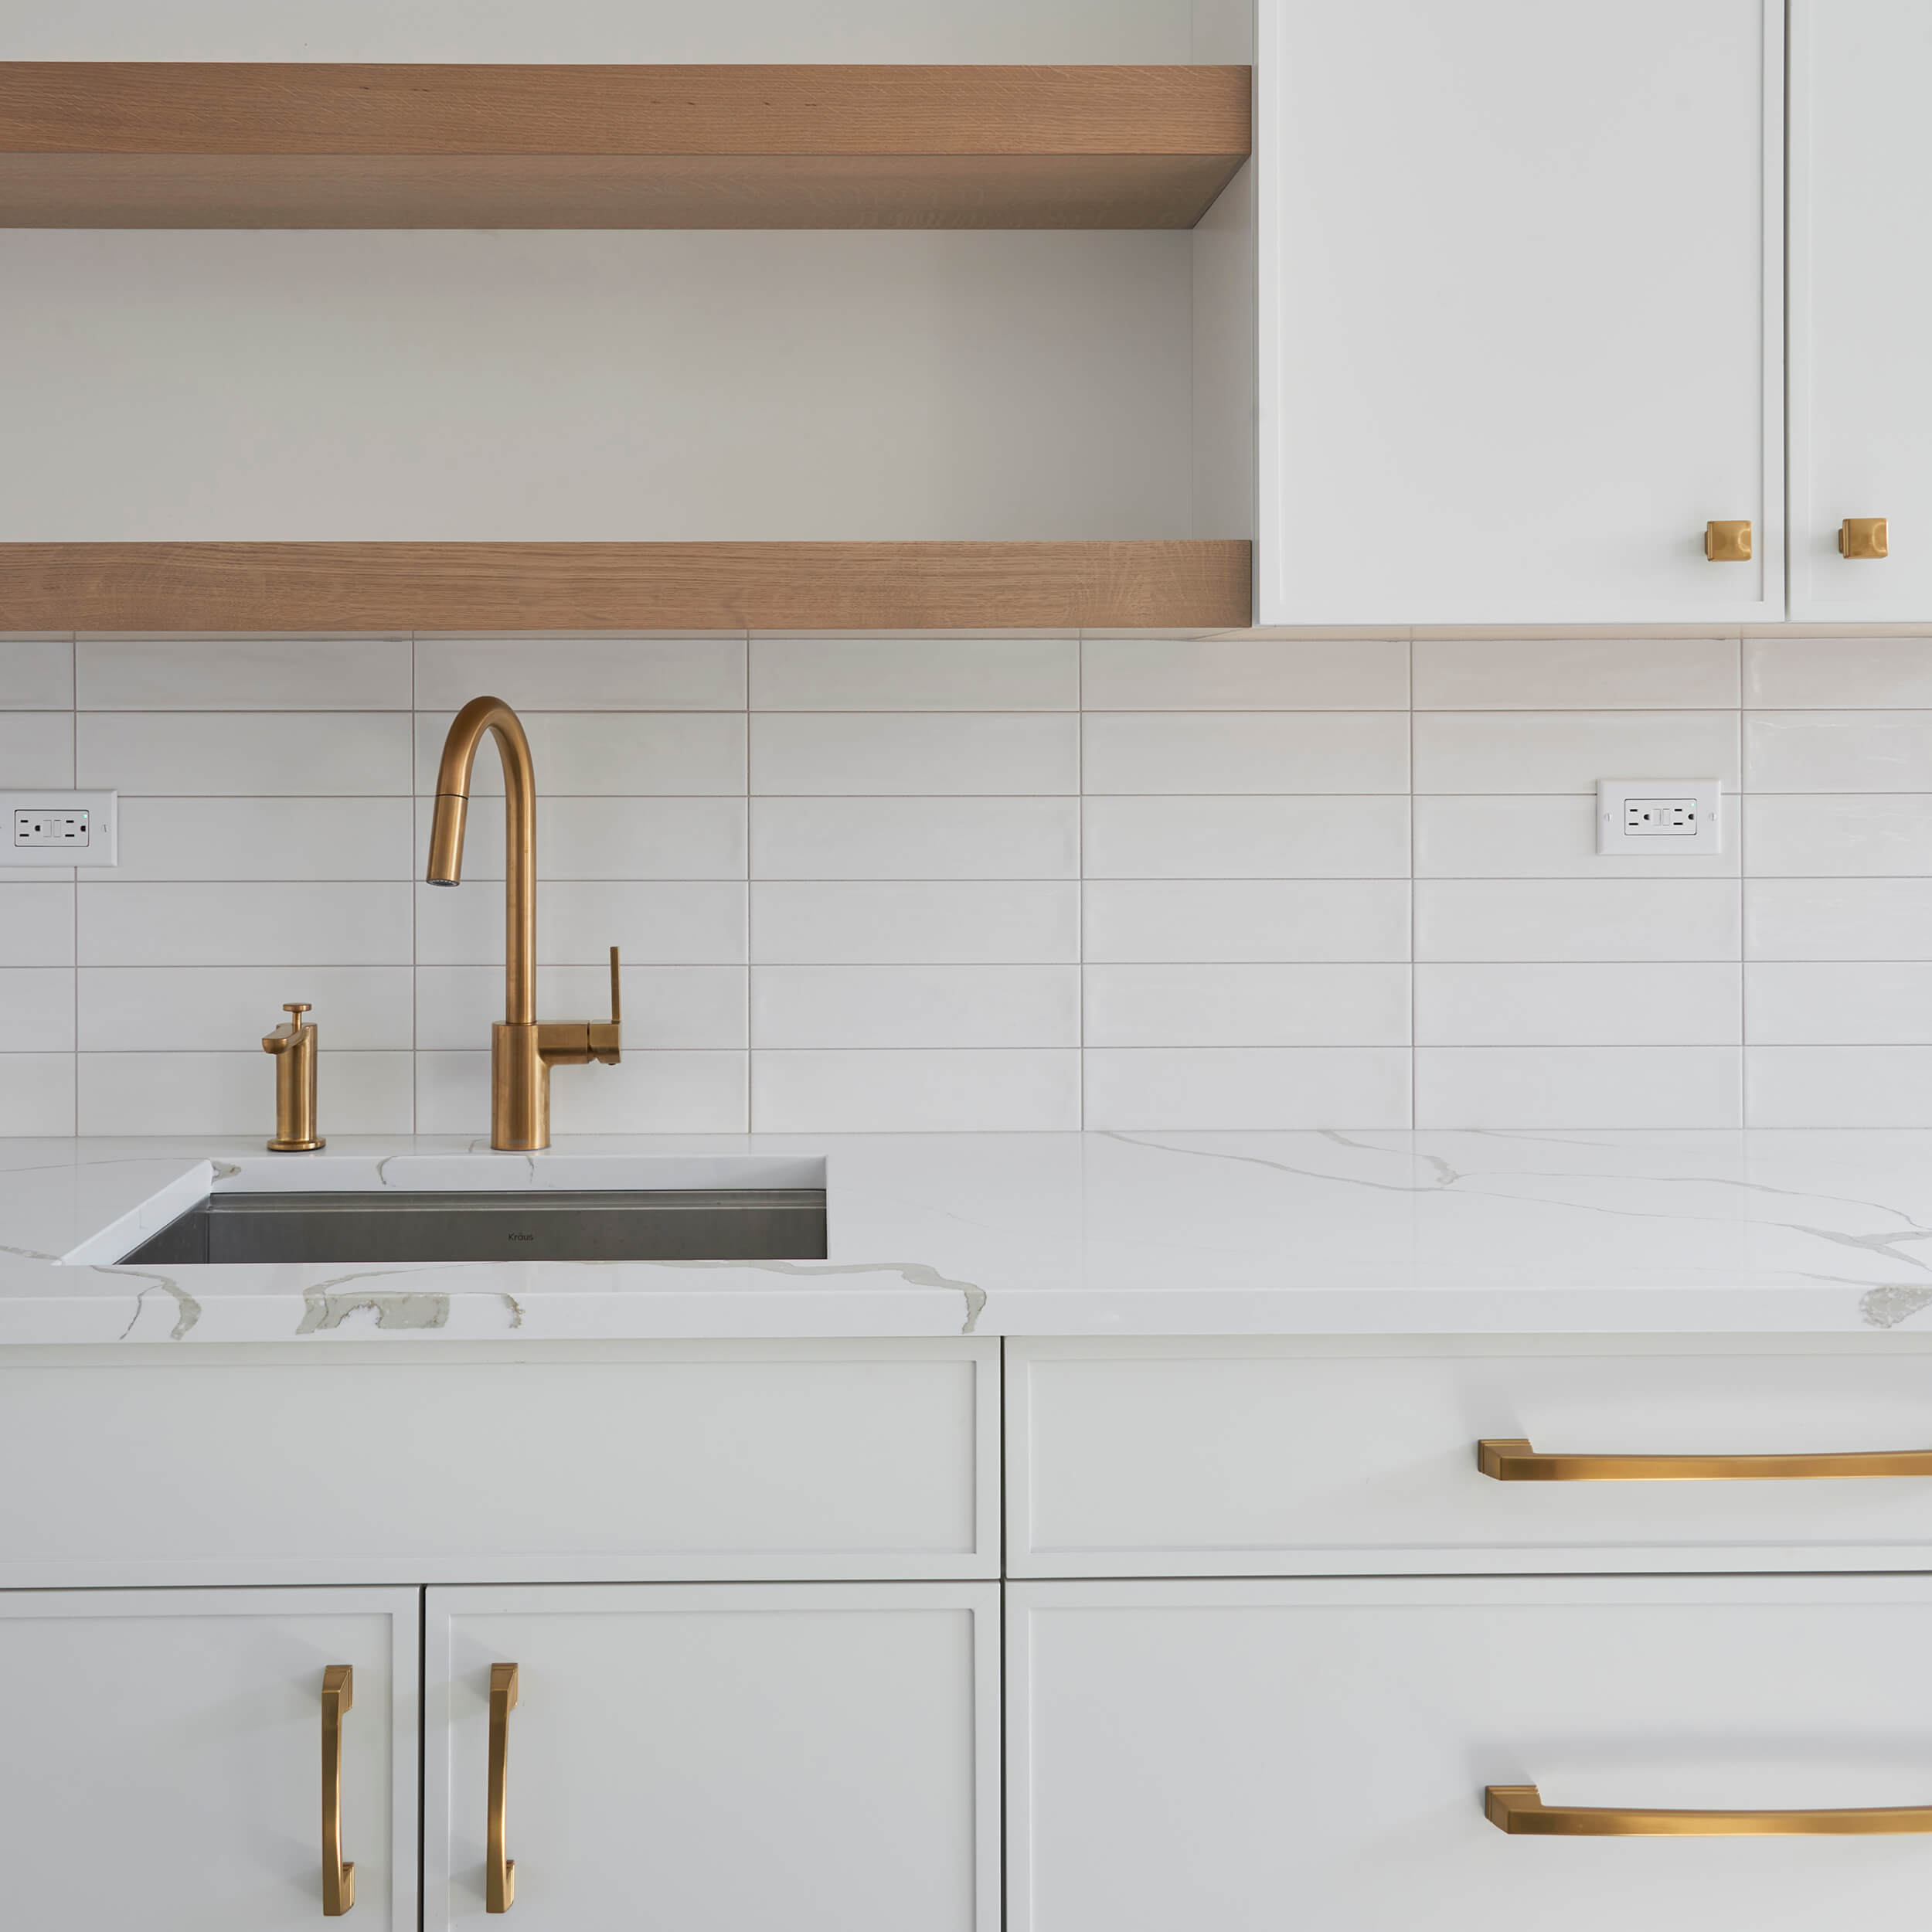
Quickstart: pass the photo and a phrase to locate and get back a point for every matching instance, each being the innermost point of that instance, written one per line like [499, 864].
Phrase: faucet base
[519, 1090]
[295, 1146]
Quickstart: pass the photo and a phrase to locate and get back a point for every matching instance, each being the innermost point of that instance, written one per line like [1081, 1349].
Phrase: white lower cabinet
[716, 1758]
[1245, 1756]
[161, 1763]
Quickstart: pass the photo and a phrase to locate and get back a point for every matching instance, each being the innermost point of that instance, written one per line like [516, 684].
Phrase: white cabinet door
[1861, 285]
[719, 1758]
[161, 1757]
[1252, 1756]
[1521, 279]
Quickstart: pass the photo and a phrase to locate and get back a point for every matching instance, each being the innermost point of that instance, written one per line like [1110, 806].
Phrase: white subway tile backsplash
[1818, 835]
[36, 674]
[1838, 1003]
[226, 924]
[243, 674]
[594, 673]
[150, 1008]
[929, 1092]
[1505, 751]
[915, 838]
[1471, 836]
[235, 1093]
[1244, 673]
[646, 1092]
[1856, 919]
[1581, 919]
[1578, 1086]
[36, 748]
[635, 754]
[668, 922]
[896, 674]
[1195, 1005]
[263, 838]
[246, 754]
[1261, 751]
[961, 753]
[1593, 1004]
[1246, 837]
[36, 924]
[1576, 673]
[1889, 1085]
[1236, 922]
[36, 1094]
[587, 838]
[680, 1007]
[1817, 674]
[36, 1009]
[1838, 750]
[916, 1006]
[914, 923]
[1184, 1089]
[899, 884]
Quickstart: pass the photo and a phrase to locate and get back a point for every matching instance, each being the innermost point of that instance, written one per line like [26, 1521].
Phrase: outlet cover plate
[37, 827]
[1660, 818]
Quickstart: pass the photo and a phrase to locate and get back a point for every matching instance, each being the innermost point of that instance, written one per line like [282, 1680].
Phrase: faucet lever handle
[606, 1041]
[617, 1011]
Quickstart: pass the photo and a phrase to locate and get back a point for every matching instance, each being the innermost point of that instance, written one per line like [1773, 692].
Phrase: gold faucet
[293, 1043]
[522, 1052]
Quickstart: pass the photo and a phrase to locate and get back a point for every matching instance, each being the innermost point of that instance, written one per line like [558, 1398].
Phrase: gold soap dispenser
[293, 1043]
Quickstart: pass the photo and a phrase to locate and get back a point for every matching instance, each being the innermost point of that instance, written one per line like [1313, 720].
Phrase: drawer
[1255, 1457]
[1249, 1755]
[475, 1463]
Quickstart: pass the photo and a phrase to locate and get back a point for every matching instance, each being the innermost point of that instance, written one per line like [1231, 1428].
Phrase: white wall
[666, 385]
[599, 30]
[1020, 883]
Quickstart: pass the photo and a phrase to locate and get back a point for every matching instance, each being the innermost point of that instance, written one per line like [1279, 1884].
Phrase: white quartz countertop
[1040, 1234]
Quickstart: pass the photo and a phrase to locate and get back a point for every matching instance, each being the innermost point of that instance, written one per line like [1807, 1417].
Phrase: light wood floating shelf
[195, 144]
[623, 586]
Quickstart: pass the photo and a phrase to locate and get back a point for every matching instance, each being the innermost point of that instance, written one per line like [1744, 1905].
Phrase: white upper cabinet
[1860, 392]
[1521, 274]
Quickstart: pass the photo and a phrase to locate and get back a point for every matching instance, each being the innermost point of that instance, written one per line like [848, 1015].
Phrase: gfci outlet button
[1659, 817]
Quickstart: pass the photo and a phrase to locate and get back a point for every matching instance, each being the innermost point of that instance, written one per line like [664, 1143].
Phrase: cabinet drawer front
[158, 1756]
[1249, 1755]
[779, 1460]
[1258, 1458]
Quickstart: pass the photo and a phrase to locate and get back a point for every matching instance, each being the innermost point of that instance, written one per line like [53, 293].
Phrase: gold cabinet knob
[1728, 542]
[1862, 536]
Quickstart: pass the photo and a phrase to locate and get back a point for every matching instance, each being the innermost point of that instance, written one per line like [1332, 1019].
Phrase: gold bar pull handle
[1519, 1809]
[499, 1875]
[1511, 1459]
[338, 1874]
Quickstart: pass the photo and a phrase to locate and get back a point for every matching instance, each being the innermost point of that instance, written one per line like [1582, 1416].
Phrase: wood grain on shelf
[592, 586]
[108, 143]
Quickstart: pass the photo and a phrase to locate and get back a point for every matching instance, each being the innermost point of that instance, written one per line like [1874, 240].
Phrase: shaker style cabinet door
[165, 1764]
[1861, 387]
[1251, 1756]
[714, 1758]
[1521, 282]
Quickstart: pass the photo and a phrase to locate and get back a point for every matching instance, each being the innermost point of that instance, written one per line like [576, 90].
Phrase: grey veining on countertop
[1370, 1234]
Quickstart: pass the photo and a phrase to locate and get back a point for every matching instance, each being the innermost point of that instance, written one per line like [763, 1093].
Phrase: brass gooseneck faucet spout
[522, 1052]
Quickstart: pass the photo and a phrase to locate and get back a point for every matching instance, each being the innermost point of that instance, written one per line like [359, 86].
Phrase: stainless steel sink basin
[669, 1224]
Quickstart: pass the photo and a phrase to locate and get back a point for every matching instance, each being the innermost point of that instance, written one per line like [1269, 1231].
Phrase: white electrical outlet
[59, 827]
[1659, 818]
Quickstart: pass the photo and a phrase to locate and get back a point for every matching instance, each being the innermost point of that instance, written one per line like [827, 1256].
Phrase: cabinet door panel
[717, 1758]
[1861, 284]
[1520, 272]
[1246, 1756]
[161, 1757]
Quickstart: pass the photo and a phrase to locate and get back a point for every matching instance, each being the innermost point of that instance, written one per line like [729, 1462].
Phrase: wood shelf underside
[176, 144]
[1193, 584]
